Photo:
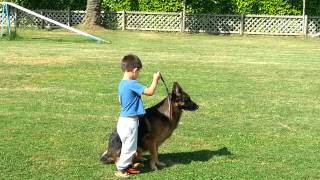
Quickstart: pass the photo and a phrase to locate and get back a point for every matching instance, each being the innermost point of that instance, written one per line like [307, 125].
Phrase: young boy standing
[130, 92]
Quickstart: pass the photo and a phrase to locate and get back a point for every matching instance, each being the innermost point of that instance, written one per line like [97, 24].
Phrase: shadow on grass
[171, 159]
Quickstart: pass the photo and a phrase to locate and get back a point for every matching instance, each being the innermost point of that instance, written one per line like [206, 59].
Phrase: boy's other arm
[149, 91]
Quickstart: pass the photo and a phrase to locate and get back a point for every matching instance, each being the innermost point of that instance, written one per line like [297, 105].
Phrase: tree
[93, 15]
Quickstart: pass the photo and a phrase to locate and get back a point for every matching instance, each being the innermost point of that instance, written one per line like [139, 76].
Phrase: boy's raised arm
[149, 91]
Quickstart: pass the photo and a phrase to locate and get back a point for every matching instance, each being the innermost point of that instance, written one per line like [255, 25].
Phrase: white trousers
[127, 129]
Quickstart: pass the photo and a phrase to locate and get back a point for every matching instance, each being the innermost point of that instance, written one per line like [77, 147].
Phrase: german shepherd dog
[155, 127]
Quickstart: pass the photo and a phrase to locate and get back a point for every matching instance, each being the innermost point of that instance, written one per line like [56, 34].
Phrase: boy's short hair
[129, 62]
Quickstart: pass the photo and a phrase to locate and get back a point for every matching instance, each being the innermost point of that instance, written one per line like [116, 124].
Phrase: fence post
[305, 25]
[69, 16]
[183, 17]
[15, 21]
[124, 20]
[42, 21]
[183, 21]
[242, 24]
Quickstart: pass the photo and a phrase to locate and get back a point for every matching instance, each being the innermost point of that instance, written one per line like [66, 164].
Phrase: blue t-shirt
[130, 92]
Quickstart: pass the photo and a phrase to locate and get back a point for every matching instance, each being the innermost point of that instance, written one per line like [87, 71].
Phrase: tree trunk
[93, 15]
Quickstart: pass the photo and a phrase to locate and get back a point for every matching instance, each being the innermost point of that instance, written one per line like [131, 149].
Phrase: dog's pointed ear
[176, 89]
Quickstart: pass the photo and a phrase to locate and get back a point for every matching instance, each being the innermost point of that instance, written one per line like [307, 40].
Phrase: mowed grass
[259, 115]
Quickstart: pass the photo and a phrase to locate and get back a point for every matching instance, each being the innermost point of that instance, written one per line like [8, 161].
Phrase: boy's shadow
[171, 159]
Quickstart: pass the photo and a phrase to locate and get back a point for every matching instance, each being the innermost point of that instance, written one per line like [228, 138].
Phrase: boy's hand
[149, 91]
[156, 76]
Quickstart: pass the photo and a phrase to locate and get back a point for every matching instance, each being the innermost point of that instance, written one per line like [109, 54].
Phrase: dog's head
[182, 99]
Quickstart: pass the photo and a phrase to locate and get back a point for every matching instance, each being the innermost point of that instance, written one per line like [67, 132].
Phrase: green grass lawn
[259, 115]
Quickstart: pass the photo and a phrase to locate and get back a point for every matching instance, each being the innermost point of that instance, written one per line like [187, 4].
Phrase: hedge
[271, 7]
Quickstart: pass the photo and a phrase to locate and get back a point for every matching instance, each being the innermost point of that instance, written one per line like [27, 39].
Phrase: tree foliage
[276, 7]
[272, 7]
[143, 5]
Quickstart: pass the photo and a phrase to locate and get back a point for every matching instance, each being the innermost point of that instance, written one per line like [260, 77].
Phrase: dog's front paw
[143, 159]
[153, 166]
[161, 164]
[137, 165]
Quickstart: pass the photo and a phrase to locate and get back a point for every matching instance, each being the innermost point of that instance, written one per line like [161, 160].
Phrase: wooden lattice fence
[113, 20]
[314, 25]
[210, 23]
[152, 21]
[275, 25]
[65, 17]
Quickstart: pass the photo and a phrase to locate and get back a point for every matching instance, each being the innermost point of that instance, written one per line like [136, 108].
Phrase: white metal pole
[304, 18]
[184, 16]
[2, 19]
[8, 19]
[304, 8]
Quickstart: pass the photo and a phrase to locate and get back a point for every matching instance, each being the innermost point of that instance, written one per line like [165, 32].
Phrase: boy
[130, 91]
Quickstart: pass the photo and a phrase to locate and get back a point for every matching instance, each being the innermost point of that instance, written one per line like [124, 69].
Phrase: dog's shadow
[172, 159]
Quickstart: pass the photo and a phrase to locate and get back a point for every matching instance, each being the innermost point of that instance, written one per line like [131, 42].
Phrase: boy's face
[136, 72]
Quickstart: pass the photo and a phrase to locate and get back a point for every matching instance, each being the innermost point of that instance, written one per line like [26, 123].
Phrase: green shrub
[271, 7]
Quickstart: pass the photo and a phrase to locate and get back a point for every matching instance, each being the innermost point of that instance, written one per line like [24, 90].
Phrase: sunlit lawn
[259, 115]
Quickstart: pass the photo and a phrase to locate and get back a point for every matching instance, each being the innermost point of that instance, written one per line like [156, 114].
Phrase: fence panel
[60, 16]
[313, 25]
[213, 23]
[273, 25]
[12, 18]
[76, 17]
[26, 20]
[113, 20]
[153, 21]
[210, 23]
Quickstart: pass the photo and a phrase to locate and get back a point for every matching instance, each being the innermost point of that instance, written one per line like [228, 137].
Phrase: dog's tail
[107, 158]
[114, 148]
